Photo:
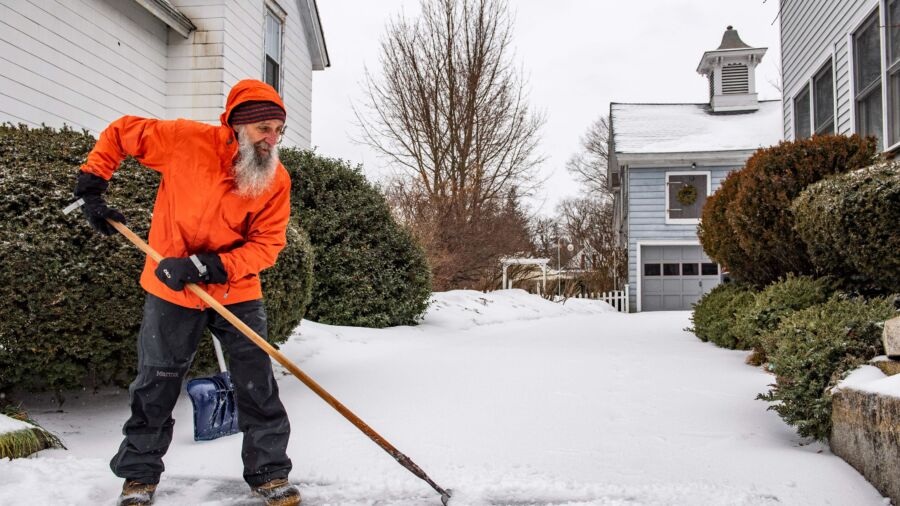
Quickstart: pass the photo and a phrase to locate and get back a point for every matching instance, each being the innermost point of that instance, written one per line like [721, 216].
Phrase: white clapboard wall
[84, 63]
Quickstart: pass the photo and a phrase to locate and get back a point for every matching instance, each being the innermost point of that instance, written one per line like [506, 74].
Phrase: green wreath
[687, 195]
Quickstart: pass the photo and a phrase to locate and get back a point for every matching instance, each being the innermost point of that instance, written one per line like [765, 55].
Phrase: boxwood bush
[817, 347]
[369, 271]
[72, 304]
[758, 214]
[755, 321]
[714, 314]
[849, 224]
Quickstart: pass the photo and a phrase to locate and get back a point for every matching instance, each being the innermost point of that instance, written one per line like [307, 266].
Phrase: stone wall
[866, 434]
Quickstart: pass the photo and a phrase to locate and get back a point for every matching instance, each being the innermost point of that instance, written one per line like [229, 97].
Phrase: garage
[673, 277]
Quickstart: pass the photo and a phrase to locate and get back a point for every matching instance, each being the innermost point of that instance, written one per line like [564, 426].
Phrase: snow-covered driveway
[505, 398]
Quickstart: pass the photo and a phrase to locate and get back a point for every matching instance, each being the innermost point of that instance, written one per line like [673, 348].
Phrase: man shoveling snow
[220, 218]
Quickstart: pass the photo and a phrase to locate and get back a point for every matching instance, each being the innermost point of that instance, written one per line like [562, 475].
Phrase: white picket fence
[618, 299]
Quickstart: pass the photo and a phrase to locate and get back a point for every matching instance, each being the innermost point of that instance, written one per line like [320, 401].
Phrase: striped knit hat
[256, 111]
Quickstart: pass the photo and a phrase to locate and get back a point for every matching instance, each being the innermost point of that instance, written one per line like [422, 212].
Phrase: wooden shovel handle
[283, 360]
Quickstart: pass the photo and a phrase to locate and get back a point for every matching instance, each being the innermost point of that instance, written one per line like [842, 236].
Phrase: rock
[865, 431]
[892, 338]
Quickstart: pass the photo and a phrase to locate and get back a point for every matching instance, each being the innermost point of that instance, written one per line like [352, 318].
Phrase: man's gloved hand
[200, 268]
[91, 189]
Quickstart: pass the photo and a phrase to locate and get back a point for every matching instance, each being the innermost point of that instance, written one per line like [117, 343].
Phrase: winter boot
[135, 493]
[278, 492]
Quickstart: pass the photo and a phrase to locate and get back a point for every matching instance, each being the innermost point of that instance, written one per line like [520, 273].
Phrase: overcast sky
[577, 56]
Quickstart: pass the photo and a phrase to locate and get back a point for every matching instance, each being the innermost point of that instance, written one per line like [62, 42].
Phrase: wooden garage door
[675, 277]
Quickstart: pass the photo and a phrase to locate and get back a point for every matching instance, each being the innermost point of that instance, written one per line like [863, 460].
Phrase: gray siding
[813, 31]
[647, 213]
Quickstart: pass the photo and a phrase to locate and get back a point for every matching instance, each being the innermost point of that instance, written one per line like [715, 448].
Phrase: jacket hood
[246, 91]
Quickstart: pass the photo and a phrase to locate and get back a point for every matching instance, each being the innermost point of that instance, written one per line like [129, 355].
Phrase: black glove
[91, 188]
[175, 272]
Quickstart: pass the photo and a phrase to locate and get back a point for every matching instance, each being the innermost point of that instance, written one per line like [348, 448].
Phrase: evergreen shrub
[817, 347]
[72, 303]
[849, 224]
[369, 271]
[759, 211]
[714, 314]
[755, 321]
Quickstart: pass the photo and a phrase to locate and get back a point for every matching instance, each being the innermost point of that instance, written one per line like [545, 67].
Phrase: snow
[870, 379]
[682, 128]
[505, 398]
[8, 424]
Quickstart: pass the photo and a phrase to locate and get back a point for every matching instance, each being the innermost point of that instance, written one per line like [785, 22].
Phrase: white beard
[253, 173]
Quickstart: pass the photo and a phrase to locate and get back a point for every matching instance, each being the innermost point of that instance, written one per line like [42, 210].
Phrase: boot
[278, 492]
[135, 493]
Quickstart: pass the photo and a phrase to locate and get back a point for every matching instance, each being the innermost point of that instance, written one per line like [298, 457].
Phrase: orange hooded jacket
[196, 209]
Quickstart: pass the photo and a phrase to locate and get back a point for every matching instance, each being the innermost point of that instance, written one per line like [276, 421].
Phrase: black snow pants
[167, 342]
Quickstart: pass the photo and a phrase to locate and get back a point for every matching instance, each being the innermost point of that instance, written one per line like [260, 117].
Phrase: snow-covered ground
[504, 398]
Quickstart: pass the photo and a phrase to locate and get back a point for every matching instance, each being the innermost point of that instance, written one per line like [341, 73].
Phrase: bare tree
[588, 222]
[449, 107]
[589, 164]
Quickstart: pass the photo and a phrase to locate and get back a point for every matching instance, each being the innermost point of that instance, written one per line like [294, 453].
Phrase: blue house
[666, 159]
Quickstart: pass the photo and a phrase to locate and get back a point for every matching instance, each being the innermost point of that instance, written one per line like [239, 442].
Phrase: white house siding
[194, 77]
[811, 32]
[244, 59]
[81, 63]
[647, 213]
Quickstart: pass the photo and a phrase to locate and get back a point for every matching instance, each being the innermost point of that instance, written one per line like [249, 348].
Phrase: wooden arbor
[506, 262]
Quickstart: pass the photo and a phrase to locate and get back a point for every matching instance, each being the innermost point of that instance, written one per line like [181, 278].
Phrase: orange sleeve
[266, 238]
[150, 141]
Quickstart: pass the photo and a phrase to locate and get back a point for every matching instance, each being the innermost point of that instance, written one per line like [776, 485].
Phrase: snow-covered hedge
[816, 348]
[850, 226]
[71, 302]
[715, 313]
[755, 322]
[369, 271]
[747, 225]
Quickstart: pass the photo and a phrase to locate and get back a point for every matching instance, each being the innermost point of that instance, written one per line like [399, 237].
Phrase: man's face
[263, 135]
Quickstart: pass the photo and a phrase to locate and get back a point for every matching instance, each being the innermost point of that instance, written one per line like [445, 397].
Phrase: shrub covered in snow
[755, 321]
[72, 304]
[714, 314]
[368, 271]
[759, 221]
[849, 224]
[816, 347]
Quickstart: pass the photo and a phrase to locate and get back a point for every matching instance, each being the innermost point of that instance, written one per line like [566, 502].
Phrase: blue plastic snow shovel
[215, 412]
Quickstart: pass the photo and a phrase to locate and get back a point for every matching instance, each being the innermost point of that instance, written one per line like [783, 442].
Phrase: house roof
[731, 40]
[681, 128]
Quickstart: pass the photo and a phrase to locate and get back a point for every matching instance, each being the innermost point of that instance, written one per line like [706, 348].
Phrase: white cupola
[731, 70]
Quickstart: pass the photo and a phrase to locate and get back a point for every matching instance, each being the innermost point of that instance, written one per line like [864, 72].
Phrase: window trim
[270, 6]
[685, 221]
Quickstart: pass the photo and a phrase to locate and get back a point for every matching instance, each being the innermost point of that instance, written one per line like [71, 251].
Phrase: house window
[689, 269]
[893, 52]
[867, 77]
[823, 95]
[272, 71]
[801, 114]
[709, 269]
[651, 270]
[685, 195]
[671, 269]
